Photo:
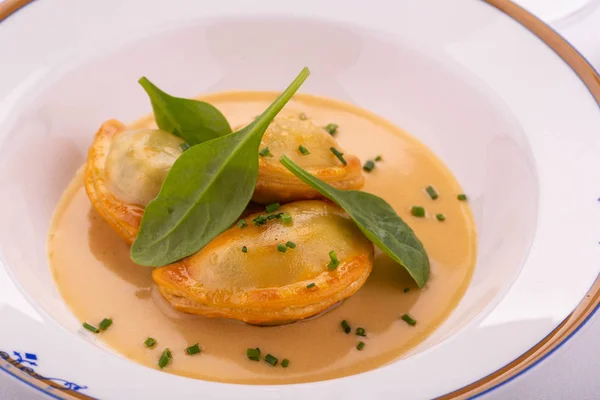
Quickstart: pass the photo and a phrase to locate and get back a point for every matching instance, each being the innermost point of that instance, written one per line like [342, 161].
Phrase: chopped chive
[409, 320]
[360, 345]
[184, 146]
[378, 158]
[346, 326]
[406, 289]
[195, 349]
[91, 328]
[369, 166]
[242, 224]
[150, 342]
[440, 217]
[302, 116]
[311, 285]
[333, 264]
[272, 207]
[104, 324]
[462, 197]
[331, 128]
[244, 249]
[265, 152]
[285, 362]
[260, 220]
[253, 354]
[164, 359]
[361, 332]
[281, 247]
[417, 211]
[431, 192]
[339, 155]
[271, 360]
[303, 150]
[291, 245]
[286, 218]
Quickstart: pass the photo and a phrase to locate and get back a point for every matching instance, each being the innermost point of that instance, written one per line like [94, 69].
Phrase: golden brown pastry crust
[284, 136]
[276, 184]
[269, 305]
[124, 218]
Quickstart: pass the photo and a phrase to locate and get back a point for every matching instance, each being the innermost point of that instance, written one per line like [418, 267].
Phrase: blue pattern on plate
[25, 363]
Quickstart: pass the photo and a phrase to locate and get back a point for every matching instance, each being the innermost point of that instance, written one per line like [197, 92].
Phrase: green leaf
[192, 120]
[206, 190]
[377, 220]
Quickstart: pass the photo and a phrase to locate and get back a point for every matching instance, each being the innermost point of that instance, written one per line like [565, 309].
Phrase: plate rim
[567, 329]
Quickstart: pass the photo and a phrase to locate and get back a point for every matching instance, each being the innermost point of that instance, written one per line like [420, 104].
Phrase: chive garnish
[281, 248]
[378, 158]
[440, 217]
[260, 220]
[285, 362]
[417, 211]
[291, 245]
[271, 360]
[346, 326]
[333, 264]
[184, 146]
[195, 349]
[303, 150]
[273, 216]
[91, 328]
[361, 332]
[339, 155]
[244, 249]
[253, 354]
[406, 290]
[360, 345]
[150, 342]
[331, 128]
[265, 152]
[302, 116]
[272, 207]
[164, 359]
[242, 224]
[286, 218]
[409, 320]
[311, 285]
[104, 324]
[462, 197]
[369, 166]
[431, 192]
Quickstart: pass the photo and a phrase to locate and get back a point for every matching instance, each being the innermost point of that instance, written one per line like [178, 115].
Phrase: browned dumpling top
[285, 135]
[276, 272]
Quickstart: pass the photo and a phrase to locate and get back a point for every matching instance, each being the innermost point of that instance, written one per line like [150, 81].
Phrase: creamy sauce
[97, 279]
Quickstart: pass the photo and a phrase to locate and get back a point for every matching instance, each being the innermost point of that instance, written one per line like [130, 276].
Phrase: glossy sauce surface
[97, 279]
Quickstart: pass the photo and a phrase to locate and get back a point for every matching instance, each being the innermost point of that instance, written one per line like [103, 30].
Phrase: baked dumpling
[126, 168]
[124, 217]
[285, 135]
[242, 274]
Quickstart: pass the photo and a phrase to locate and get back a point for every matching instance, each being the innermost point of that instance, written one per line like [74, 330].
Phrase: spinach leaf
[206, 190]
[377, 220]
[192, 120]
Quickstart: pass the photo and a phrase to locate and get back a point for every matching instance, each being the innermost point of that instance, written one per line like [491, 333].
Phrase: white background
[573, 371]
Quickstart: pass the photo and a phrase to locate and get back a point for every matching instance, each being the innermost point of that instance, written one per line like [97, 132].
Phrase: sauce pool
[97, 279]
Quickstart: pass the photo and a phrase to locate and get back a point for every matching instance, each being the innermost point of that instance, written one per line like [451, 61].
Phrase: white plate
[512, 120]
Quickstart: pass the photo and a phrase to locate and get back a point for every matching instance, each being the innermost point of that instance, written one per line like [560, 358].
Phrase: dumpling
[125, 170]
[138, 163]
[250, 274]
[284, 136]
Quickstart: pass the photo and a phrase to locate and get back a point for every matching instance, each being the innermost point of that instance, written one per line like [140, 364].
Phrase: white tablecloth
[573, 371]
